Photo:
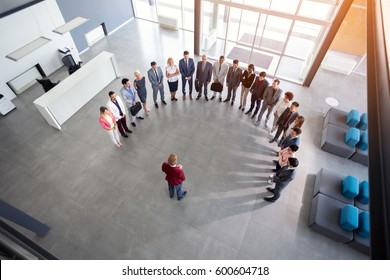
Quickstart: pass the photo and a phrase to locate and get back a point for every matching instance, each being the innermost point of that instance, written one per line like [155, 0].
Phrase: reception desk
[64, 100]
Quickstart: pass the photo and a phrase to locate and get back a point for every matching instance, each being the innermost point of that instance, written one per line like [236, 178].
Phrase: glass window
[317, 9]
[247, 29]
[290, 69]
[188, 14]
[234, 23]
[274, 35]
[302, 40]
[145, 9]
[170, 7]
[289, 6]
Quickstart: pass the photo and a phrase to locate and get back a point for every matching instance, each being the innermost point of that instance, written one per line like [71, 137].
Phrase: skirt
[173, 86]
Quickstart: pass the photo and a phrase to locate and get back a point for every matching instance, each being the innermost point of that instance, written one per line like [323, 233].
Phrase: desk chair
[47, 84]
[71, 64]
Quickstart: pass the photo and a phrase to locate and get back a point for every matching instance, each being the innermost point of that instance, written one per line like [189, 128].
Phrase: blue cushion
[353, 118]
[350, 187]
[349, 217]
[352, 136]
[364, 224]
[363, 196]
[363, 123]
[363, 142]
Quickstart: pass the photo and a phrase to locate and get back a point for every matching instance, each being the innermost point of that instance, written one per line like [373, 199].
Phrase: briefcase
[135, 109]
[197, 85]
[216, 87]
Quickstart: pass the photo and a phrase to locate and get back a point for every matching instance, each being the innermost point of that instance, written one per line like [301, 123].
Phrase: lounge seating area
[339, 209]
[345, 134]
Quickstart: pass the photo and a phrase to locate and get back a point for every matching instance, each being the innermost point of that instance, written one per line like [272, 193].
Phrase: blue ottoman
[349, 217]
[350, 187]
[363, 123]
[352, 136]
[363, 196]
[364, 224]
[353, 118]
[363, 141]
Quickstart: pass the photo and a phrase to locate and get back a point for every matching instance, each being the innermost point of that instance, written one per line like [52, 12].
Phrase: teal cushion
[352, 136]
[364, 224]
[349, 217]
[363, 123]
[363, 196]
[353, 118]
[350, 186]
[363, 141]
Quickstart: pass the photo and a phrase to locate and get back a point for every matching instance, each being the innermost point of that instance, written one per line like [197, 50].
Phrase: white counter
[64, 100]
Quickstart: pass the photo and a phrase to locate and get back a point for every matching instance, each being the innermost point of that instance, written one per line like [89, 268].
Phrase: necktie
[156, 75]
[186, 63]
[117, 105]
[285, 121]
[220, 67]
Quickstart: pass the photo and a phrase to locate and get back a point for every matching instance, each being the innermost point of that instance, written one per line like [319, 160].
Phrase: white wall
[23, 27]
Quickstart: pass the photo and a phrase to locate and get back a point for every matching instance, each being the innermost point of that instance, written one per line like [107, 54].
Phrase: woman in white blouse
[172, 73]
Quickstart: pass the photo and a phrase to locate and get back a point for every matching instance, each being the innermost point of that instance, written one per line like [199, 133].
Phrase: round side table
[332, 102]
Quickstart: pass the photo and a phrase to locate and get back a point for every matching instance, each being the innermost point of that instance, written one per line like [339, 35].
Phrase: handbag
[135, 108]
[197, 85]
[216, 87]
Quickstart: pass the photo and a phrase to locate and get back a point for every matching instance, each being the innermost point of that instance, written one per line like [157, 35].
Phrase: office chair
[71, 64]
[47, 84]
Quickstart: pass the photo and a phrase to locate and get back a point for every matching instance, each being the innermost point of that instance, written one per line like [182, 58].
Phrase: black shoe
[207, 99]
[271, 141]
[140, 118]
[133, 124]
[270, 189]
[125, 135]
[212, 97]
[275, 170]
[248, 112]
[275, 161]
[163, 102]
[239, 107]
[232, 103]
[172, 99]
[226, 100]
[129, 131]
[183, 195]
[253, 116]
[269, 199]
[156, 105]
[197, 98]
[243, 109]
[220, 99]
[175, 99]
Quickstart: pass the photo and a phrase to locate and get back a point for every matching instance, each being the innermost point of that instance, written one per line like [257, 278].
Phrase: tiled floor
[107, 203]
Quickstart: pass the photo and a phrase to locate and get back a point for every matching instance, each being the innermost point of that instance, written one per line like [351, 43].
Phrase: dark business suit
[282, 178]
[270, 98]
[257, 91]
[204, 76]
[289, 140]
[186, 70]
[233, 80]
[284, 121]
[157, 82]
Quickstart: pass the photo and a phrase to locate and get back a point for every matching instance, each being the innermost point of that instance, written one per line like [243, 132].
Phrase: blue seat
[349, 217]
[363, 123]
[350, 186]
[353, 118]
[364, 224]
[363, 141]
[363, 196]
[352, 136]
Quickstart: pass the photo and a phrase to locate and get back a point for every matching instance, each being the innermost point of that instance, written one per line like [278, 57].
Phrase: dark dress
[141, 89]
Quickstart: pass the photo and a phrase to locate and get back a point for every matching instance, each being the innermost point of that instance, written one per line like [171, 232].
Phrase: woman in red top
[107, 120]
[175, 177]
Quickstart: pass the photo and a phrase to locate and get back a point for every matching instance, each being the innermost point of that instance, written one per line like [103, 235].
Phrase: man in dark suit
[257, 90]
[204, 70]
[270, 98]
[282, 178]
[293, 138]
[233, 80]
[187, 69]
[285, 120]
[156, 79]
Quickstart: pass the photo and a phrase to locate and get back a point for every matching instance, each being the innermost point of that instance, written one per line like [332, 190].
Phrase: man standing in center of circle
[233, 80]
[156, 79]
[203, 75]
[187, 69]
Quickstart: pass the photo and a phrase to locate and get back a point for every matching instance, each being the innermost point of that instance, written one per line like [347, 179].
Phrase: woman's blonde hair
[169, 60]
[172, 159]
[136, 72]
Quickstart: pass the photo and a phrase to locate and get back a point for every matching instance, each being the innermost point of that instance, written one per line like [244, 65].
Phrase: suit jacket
[153, 79]
[184, 70]
[257, 90]
[220, 74]
[127, 97]
[206, 75]
[271, 98]
[105, 124]
[284, 176]
[289, 141]
[290, 120]
[111, 105]
[233, 79]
